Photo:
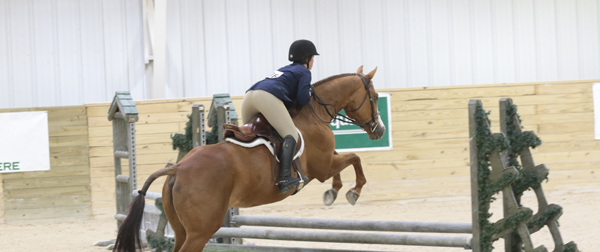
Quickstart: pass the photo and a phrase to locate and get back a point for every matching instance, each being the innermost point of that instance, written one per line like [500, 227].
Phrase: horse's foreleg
[340, 162]
[353, 194]
[330, 195]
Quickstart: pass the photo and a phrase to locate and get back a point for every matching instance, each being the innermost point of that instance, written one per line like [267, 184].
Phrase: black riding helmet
[301, 49]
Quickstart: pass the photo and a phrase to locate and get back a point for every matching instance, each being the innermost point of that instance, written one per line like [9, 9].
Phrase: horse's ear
[372, 73]
[359, 71]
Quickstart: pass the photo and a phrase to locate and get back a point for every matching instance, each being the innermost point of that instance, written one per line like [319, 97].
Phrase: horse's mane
[330, 78]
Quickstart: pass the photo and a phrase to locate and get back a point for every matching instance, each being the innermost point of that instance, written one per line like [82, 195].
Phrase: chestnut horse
[210, 179]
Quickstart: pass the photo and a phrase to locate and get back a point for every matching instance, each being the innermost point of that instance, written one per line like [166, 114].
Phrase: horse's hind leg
[201, 221]
[340, 162]
[180, 234]
[201, 203]
[330, 195]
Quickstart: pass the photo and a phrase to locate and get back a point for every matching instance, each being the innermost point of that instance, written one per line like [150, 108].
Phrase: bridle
[372, 124]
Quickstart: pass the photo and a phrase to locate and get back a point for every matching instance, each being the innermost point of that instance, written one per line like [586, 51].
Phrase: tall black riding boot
[286, 154]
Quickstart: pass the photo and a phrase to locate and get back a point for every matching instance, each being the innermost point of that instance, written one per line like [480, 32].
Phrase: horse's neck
[335, 92]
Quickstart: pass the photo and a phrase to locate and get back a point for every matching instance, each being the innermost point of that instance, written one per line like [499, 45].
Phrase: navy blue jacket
[289, 83]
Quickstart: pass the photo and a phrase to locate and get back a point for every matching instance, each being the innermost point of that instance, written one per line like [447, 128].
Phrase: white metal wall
[69, 52]
[216, 46]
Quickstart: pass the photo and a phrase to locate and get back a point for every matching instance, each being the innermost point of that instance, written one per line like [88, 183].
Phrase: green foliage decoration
[163, 243]
[184, 142]
[212, 136]
[519, 140]
[520, 183]
[486, 144]
[550, 213]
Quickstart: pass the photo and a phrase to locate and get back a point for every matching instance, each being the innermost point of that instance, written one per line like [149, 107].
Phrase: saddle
[259, 127]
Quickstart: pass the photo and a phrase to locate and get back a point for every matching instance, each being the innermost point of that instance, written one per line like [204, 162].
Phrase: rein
[372, 124]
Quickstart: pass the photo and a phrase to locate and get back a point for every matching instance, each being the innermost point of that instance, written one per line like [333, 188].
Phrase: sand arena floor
[580, 223]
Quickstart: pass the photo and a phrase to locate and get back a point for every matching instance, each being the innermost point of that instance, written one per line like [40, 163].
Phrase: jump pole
[348, 237]
[354, 225]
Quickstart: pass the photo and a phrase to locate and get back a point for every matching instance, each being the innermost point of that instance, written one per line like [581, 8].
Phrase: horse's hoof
[329, 197]
[352, 197]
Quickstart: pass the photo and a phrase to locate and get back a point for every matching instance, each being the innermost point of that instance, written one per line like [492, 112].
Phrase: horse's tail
[129, 233]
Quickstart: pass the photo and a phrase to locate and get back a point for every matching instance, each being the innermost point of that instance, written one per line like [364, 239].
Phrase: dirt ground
[580, 223]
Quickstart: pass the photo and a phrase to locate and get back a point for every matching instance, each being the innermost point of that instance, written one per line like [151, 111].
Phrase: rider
[275, 94]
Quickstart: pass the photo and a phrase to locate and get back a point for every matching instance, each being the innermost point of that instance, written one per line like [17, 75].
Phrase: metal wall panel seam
[473, 39]
[362, 32]
[386, 58]
[141, 49]
[6, 46]
[250, 45]
[494, 43]
[125, 42]
[81, 97]
[579, 38]
[206, 89]
[430, 69]
[407, 45]
[228, 62]
[34, 55]
[202, 58]
[339, 32]
[516, 45]
[273, 54]
[536, 34]
[294, 20]
[558, 53]
[11, 92]
[105, 84]
[181, 47]
[451, 41]
[57, 53]
[317, 39]
[535, 41]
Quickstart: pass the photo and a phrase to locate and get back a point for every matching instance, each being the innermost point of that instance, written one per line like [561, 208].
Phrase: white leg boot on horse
[340, 162]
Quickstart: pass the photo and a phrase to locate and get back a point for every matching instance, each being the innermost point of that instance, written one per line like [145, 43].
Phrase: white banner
[596, 91]
[24, 142]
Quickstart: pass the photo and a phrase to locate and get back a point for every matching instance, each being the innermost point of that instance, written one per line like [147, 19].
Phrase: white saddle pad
[261, 141]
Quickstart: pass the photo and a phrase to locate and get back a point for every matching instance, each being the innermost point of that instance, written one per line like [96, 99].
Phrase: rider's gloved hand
[312, 90]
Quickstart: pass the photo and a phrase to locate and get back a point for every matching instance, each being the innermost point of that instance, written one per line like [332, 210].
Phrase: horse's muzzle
[377, 133]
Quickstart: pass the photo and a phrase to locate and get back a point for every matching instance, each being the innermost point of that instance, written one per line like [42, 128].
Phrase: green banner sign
[350, 137]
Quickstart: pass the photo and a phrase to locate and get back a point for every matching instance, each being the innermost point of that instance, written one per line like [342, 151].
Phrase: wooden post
[198, 127]
[475, 242]
[541, 171]
[123, 115]
[221, 119]
[224, 116]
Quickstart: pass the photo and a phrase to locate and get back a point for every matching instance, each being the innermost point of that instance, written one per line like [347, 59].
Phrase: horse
[213, 178]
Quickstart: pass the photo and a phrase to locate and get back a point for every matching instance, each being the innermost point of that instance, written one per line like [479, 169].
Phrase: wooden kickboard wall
[430, 157]
[64, 192]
